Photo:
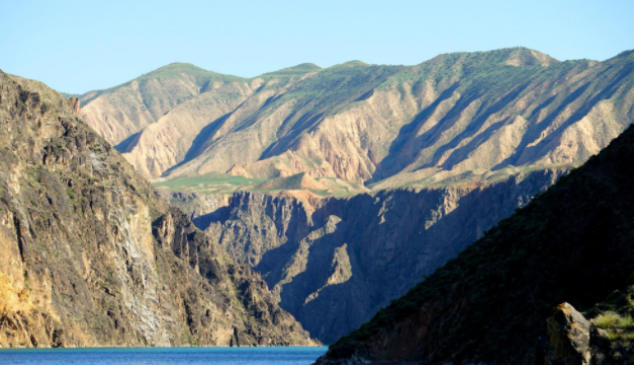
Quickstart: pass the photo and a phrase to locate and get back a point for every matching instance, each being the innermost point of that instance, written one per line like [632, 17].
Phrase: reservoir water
[164, 356]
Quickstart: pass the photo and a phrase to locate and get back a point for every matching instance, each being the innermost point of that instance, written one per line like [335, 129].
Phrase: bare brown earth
[92, 256]
[463, 117]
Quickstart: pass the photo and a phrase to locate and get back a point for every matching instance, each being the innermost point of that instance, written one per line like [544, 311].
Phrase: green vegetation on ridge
[294, 71]
[213, 182]
[457, 118]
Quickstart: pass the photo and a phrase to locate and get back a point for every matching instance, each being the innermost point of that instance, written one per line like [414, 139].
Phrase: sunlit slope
[458, 117]
[93, 257]
[121, 111]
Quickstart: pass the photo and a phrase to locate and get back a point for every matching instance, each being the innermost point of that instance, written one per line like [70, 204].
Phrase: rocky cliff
[490, 304]
[92, 256]
[335, 262]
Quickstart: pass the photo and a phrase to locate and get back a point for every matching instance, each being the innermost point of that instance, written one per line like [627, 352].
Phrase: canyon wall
[333, 263]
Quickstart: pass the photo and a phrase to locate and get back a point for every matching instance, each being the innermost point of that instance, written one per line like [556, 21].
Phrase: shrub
[613, 320]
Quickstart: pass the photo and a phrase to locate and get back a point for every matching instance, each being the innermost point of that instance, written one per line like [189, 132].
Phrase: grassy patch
[214, 182]
[219, 183]
[611, 320]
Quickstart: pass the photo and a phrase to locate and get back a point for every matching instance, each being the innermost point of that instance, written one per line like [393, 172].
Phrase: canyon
[334, 262]
[344, 187]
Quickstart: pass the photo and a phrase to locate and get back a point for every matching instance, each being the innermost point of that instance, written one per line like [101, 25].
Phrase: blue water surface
[165, 356]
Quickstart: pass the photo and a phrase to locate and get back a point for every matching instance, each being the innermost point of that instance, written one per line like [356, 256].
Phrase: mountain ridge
[388, 126]
[307, 66]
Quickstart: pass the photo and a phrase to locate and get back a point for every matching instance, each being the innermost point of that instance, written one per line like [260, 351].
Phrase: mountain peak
[522, 56]
[179, 66]
[514, 56]
[301, 69]
[177, 69]
[306, 67]
[353, 63]
[625, 55]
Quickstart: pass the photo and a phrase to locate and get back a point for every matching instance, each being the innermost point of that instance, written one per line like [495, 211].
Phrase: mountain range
[361, 179]
[354, 127]
[318, 194]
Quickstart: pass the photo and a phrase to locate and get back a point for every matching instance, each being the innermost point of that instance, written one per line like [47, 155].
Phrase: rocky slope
[459, 117]
[490, 304]
[92, 256]
[124, 110]
[333, 263]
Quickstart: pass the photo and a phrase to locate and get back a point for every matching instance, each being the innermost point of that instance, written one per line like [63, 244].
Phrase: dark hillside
[574, 243]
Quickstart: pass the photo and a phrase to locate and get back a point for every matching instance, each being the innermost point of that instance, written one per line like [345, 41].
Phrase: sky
[77, 46]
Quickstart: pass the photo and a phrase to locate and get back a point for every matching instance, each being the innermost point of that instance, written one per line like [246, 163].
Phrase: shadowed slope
[490, 304]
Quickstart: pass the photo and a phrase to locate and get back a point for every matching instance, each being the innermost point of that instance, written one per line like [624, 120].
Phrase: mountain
[93, 256]
[461, 117]
[334, 262]
[124, 110]
[363, 178]
[490, 304]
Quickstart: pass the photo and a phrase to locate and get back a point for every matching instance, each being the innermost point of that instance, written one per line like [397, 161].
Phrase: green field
[214, 182]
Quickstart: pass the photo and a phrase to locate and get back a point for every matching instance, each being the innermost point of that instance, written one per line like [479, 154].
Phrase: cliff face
[490, 304]
[333, 262]
[91, 256]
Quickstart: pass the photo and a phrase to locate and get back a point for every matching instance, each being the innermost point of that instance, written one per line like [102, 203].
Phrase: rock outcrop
[92, 256]
[488, 305]
[569, 335]
[605, 339]
[75, 106]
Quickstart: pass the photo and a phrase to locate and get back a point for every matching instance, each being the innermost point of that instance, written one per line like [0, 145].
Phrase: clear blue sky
[76, 46]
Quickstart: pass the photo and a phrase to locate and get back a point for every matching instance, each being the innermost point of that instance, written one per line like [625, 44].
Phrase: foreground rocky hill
[92, 256]
[491, 303]
[462, 117]
[333, 263]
